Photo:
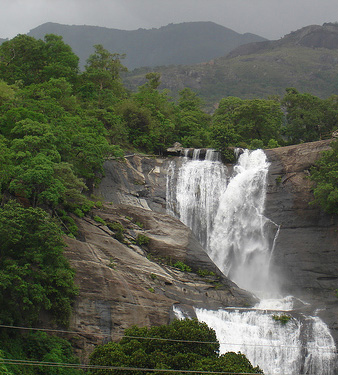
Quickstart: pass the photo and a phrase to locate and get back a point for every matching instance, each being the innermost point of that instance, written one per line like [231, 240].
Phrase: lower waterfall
[226, 213]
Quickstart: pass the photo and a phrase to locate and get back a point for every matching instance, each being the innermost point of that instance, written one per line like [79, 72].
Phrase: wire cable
[8, 361]
[166, 339]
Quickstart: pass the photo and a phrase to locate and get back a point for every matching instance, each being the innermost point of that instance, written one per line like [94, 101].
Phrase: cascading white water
[226, 214]
[242, 237]
[194, 194]
[298, 347]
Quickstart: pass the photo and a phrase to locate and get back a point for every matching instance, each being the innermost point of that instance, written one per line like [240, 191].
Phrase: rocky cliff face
[131, 277]
[306, 253]
[123, 282]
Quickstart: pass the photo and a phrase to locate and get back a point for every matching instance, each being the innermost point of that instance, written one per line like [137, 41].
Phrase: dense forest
[58, 125]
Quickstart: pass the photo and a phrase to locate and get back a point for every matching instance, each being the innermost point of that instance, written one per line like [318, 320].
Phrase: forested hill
[184, 43]
[305, 59]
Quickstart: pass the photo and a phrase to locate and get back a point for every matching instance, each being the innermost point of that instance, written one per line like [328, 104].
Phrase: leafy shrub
[204, 273]
[98, 204]
[283, 318]
[255, 144]
[118, 230]
[179, 348]
[98, 219]
[68, 223]
[78, 212]
[272, 144]
[141, 240]
[182, 266]
[139, 224]
[38, 346]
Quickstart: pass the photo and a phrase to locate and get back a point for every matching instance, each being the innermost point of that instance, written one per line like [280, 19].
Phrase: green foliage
[118, 230]
[204, 273]
[68, 223]
[272, 144]
[193, 124]
[141, 240]
[30, 61]
[282, 318]
[34, 276]
[255, 144]
[252, 122]
[139, 224]
[37, 346]
[98, 219]
[3, 368]
[111, 264]
[308, 117]
[325, 175]
[182, 266]
[174, 353]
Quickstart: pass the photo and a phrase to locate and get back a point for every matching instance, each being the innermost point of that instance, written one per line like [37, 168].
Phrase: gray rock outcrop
[306, 254]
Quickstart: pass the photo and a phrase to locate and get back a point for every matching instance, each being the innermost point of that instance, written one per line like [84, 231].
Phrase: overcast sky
[271, 19]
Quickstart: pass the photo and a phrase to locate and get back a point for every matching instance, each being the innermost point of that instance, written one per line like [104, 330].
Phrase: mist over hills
[174, 44]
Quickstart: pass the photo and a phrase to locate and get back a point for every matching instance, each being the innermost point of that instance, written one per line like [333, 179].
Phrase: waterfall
[242, 237]
[226, 213]
[193, 192]
[300, 346]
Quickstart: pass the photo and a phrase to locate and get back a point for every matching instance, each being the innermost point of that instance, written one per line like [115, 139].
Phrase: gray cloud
[269, 18]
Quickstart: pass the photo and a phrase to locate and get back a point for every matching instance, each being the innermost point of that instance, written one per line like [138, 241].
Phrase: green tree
[238, 121]
[178, 348]
[61, 61]
[308, 118]
[34, 274]
[193, 124]
[37, 346]
[245, 123]
[101, 81]
[325, 175]
[29, 60]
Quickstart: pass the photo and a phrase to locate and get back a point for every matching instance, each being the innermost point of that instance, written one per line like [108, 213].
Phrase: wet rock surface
[305, 258]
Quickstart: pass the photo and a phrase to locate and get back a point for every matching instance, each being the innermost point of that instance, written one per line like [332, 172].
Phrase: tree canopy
[325, 174]
[175, 346]
[34, 274]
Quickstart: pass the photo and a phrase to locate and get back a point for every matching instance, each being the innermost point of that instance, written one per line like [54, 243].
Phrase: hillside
[184, 43]
[305, 59]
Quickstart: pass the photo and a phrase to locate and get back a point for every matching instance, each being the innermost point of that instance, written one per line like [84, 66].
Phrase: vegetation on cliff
[175, 346]
[325, 174]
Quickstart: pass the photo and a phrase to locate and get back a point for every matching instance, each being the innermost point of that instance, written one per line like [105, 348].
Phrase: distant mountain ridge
[306, 59]
[313, 36]
[175, 44]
